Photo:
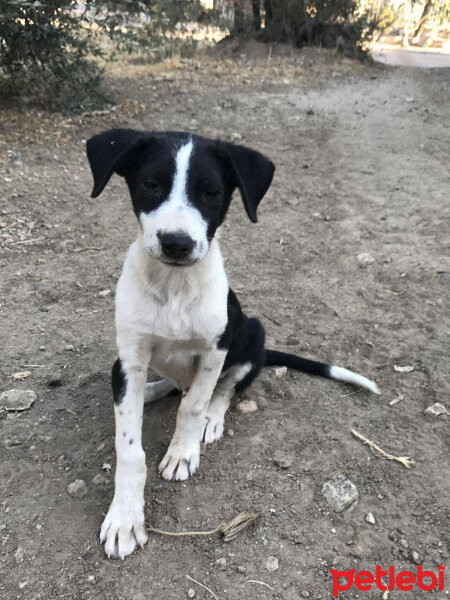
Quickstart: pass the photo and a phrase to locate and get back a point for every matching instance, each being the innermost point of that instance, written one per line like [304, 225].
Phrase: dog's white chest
[185, 308]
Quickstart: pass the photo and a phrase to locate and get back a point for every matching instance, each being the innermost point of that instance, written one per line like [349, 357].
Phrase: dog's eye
[151, 185]
[211, 194]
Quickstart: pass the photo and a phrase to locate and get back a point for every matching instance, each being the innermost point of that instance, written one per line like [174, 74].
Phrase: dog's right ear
[114, 151]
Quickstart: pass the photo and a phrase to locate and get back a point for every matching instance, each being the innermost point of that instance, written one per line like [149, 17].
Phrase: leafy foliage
[48, 47]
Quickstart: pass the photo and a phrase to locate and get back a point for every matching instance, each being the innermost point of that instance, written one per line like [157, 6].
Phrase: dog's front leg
[183, 455]
[124, 526]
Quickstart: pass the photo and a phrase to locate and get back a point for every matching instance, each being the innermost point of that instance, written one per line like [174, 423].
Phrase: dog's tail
[281, 359]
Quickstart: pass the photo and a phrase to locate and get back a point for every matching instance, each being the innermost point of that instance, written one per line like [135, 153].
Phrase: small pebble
[104, 293]
[230, 432]
[416, 558]
[191, 593]
[241, 569]
[101, 446]
[435, 410]
[18, 555]
[365, 259]
[340, 493]
[55, 379]
[99, 479]
[370, 519]
[222, 563]
[272, 564]
[17, 399]
[247, 407]
[403, 543]
[280, 372]
[45, 308]
[77, 489]
[282, 461]
[305, 594]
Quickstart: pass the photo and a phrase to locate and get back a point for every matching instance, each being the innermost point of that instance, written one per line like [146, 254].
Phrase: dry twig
[202, 586]
[229, 530]
[261, 583]
[406, 461]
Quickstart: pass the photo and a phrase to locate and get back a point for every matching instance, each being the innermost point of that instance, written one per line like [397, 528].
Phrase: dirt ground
[362, 158]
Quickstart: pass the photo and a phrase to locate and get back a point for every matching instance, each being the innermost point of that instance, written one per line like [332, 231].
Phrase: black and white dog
[175, 312]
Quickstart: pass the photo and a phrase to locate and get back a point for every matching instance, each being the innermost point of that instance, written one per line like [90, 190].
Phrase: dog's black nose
[176, 245]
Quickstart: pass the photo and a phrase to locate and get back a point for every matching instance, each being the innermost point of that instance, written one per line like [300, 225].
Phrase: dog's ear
[252, 174]
[114, 151]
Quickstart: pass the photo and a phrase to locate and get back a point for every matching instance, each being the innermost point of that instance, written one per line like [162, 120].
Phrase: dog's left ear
[252, 173]
[114, 151]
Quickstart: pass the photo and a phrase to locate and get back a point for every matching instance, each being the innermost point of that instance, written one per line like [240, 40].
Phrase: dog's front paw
[123, 528]
[180, 461]
[213, 429]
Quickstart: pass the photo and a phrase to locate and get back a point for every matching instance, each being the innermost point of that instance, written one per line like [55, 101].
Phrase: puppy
[175, 312]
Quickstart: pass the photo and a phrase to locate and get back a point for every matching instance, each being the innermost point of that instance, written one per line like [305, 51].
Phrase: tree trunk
[268, 11]
[425, 14]
[239, 19]
[256, 8]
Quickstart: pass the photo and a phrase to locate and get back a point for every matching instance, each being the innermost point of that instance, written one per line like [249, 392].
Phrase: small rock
[222, 563]
[18, 555]
[241, 569]
[280, 372]
[365, 259]
[99, 479]
[403, 543]
[69, 348]
[230, 432]
[21, 375]
[106, 467]
[435, 410]
[406, 369]
[340, 493]
[272, 564]
[101, 446]
[284, 462]
[16, 159]
[305, 594]
[17, 399]
[104, 293]
[77, 489]
[55, 379]
[191, 593]
[370, 519]
[415, 557]
[45, 308]
[247, 407]
[310, 111]
[235, 136]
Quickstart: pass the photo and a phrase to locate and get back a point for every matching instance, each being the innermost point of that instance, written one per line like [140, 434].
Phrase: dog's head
[180, 185]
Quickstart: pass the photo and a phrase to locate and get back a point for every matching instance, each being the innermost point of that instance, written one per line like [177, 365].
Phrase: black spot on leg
[118, 382]
[131, 442]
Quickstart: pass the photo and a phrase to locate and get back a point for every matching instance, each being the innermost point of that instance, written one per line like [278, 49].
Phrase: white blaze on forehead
[182, 160]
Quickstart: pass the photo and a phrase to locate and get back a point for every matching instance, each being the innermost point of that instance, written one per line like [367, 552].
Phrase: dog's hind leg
[220, 402]
[156, 390]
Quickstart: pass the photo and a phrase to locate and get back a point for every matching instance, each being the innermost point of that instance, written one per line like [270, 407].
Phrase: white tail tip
[342, 374]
